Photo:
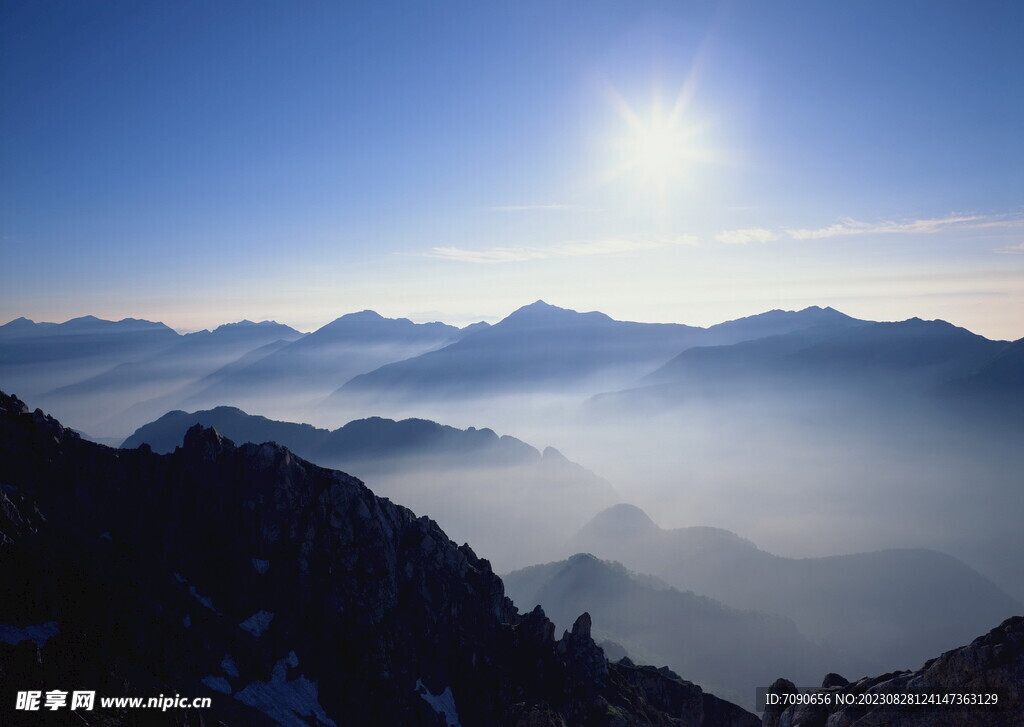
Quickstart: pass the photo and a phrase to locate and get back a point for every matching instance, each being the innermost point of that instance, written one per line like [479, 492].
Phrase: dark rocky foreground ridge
[991, 664]
[288, 593]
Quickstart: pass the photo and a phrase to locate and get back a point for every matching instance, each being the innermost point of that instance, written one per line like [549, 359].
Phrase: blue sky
[198, 162]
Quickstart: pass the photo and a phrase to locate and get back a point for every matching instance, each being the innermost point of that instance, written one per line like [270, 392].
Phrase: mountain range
[914, 354]
[543, 348]
[480, 487]
[107, 377]
[727, 651]
[835, 433]
[877, 610]
[320, 362]
[40, 357]
[289, 594]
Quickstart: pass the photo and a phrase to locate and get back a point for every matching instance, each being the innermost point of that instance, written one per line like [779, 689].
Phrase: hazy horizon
[214, 322]
[658, 162]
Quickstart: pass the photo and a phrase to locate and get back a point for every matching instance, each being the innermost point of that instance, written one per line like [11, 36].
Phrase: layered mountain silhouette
[1005, 371]
[776, 323]
[886, 609]
[835, 434]
[287, 593]
[904, 434]
[190, 358]
[541, 347]
[322, 361]
[109, 377]
[483, 488]
[726, 651]
[853, 357]
[40, 357]
[378, 440]
[995, 389]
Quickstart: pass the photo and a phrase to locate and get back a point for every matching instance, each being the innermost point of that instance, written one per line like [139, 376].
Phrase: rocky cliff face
[287, 593]
[991, 664]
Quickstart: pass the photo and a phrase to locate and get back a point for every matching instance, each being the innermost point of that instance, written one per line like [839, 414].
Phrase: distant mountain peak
[246, 324]
[361, 317]
[22, 325]
[369, 315]
[621, 519]
[920, 324]
[540, 305]
[91, 323]
[371, 323]
[473, 328]
[369, 319]
[779, 321]
[540, 313]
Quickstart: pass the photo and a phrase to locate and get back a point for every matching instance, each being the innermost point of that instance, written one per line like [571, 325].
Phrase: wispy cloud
[530, 207]
[750, 234]
[926, 226]
[847, 227]
[1011, 249]
[584, 248]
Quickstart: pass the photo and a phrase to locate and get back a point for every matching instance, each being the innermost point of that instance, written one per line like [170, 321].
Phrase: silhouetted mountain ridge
[289, 593]
[924, 352]
[724, 650]
[482, 487]
[361, 439]
[937, 601]
[313, 366]
[540, 347]
[992, 664]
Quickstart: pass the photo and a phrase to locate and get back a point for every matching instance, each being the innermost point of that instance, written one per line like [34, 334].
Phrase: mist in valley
[690, 325]
[845, 493]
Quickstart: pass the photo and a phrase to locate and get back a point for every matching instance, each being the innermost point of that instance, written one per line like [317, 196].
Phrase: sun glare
[656, 150]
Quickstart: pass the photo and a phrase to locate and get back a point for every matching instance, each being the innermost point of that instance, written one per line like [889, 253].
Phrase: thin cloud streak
[848, 226]
[913, 227]
[1011, 249]
[530, 207]
[742, 237]
[586, 248]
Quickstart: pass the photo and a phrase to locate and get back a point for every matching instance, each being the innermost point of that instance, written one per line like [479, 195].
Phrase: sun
[656, 149]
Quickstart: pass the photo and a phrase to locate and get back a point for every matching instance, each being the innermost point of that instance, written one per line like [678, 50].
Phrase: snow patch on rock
[227, 664]
[286, 702]
[217, 684]
[39, 633]
[443, 703]
[205, 600]
[257, 623]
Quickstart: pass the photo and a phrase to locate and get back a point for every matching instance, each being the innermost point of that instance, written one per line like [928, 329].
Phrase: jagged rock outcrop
[991, 664]
[288, 593]
[480, 487]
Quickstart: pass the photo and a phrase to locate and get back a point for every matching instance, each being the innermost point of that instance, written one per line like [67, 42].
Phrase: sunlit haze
[522, 362]
[195, 163]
